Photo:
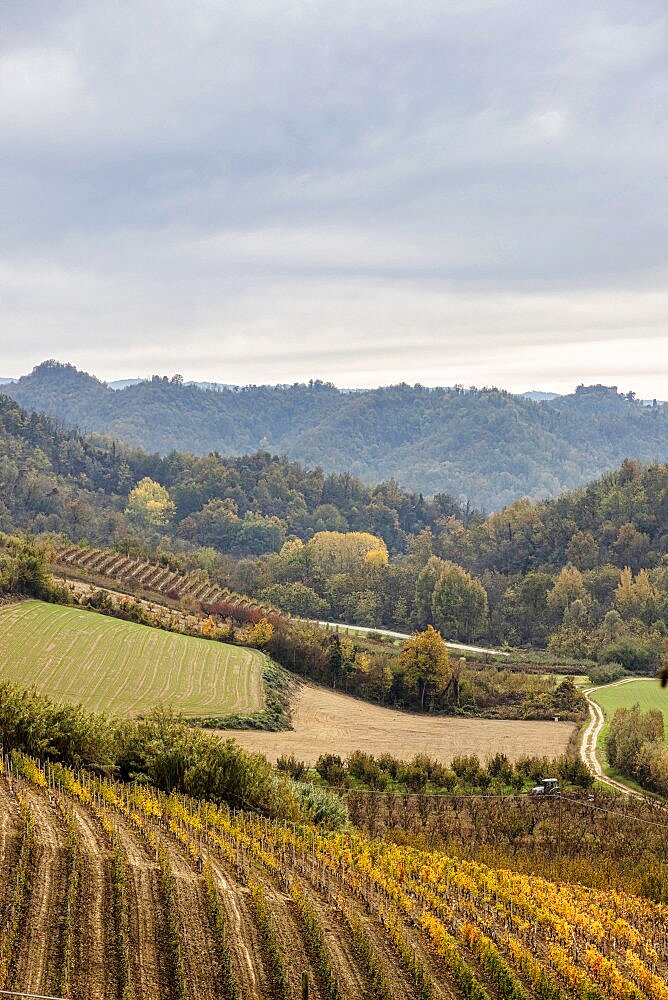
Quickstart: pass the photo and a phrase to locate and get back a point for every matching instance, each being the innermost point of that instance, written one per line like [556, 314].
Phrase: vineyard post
[559, 839]
[305, 986]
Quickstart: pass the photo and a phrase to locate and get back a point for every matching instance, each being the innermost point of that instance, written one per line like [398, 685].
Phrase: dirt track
[328, 722]
[94, 965]
[43, 927]
[590, 740]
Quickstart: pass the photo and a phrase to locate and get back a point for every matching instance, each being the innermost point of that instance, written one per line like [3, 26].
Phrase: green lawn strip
[613, 696]
[647, 692]
[111, 665]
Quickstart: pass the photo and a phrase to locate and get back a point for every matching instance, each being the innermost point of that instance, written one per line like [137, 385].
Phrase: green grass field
[122, 668]
[647, 693]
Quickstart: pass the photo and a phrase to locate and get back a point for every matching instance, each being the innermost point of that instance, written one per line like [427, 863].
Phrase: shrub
[290, 765]
[365, 767]
[467, 768]
[606, 673]
[499, 767]
[641, 657]
[331, 768]
[323, 806]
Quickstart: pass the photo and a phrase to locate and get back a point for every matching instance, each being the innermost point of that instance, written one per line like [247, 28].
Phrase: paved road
[590, 739]
[405, 635]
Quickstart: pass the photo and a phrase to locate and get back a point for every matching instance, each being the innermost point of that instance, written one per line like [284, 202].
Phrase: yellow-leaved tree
[426, 664]
[346, 552]
[149, 505]
[261, 633]
[636, 598]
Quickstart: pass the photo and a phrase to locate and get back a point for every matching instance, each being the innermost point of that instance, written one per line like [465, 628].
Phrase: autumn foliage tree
[347, 552]
[149, 505]
[426, 664]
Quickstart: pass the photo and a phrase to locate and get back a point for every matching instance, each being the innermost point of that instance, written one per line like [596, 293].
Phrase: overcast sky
[365, 192]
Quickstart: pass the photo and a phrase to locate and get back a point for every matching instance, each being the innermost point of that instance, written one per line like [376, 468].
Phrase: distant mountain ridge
[485, 445]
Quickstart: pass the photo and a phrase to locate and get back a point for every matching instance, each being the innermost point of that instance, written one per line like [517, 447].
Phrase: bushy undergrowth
[635, 747]
[161, 749]
[322, 807]
[605, 673]
[23, 570]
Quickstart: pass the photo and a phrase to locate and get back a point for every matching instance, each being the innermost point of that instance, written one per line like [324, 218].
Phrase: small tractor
[549, 787]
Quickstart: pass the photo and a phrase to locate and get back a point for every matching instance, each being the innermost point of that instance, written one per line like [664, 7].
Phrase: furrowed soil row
[289, 929]
[95, 971]
[10, 838]
[41, 944]
[198, 947]
[148, 960]
[244, 939]
[363, 919]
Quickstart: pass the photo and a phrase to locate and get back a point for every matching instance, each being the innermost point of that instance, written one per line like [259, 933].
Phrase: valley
[333, 501]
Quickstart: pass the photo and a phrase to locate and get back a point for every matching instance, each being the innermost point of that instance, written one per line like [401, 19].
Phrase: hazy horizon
[110, 379]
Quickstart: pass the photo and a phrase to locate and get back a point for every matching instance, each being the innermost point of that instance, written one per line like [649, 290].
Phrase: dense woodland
[484, 446]
[585, 574]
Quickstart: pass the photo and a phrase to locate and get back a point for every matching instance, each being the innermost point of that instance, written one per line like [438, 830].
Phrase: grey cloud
[305, 172]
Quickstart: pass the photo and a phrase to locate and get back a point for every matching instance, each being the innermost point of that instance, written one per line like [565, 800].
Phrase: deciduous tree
[425, 660]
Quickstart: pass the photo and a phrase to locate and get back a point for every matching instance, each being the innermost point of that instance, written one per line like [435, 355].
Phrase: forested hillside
[585, 572]
[484, 446]
[52, 479]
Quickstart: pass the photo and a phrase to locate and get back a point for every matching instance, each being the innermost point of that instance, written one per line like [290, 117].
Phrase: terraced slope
[137, 573]
[188, 901]
[119, 667]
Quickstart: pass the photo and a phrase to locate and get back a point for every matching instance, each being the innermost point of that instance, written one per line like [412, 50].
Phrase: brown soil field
[328, 722]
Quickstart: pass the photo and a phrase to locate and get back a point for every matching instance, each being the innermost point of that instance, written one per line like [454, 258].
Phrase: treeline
[483, 444]
[54, 480]
[466, 773]
[418, 677]
[160, 749]
[586, 575]
[635, 747]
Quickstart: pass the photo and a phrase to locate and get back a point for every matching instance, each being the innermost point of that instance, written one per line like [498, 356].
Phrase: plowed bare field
[119, 667]
[328, 722]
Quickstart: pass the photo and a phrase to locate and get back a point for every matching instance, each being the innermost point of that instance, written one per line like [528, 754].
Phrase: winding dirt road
[590, 740]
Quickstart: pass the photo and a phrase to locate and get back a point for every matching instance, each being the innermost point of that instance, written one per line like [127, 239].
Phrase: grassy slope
[119, 667]
[647, 693]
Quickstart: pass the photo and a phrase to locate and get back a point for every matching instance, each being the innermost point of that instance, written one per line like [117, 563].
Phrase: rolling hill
[122, 891]
[485, 445]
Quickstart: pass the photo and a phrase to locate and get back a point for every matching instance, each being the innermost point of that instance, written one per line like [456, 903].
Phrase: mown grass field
[122, 668]
[647, 693]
